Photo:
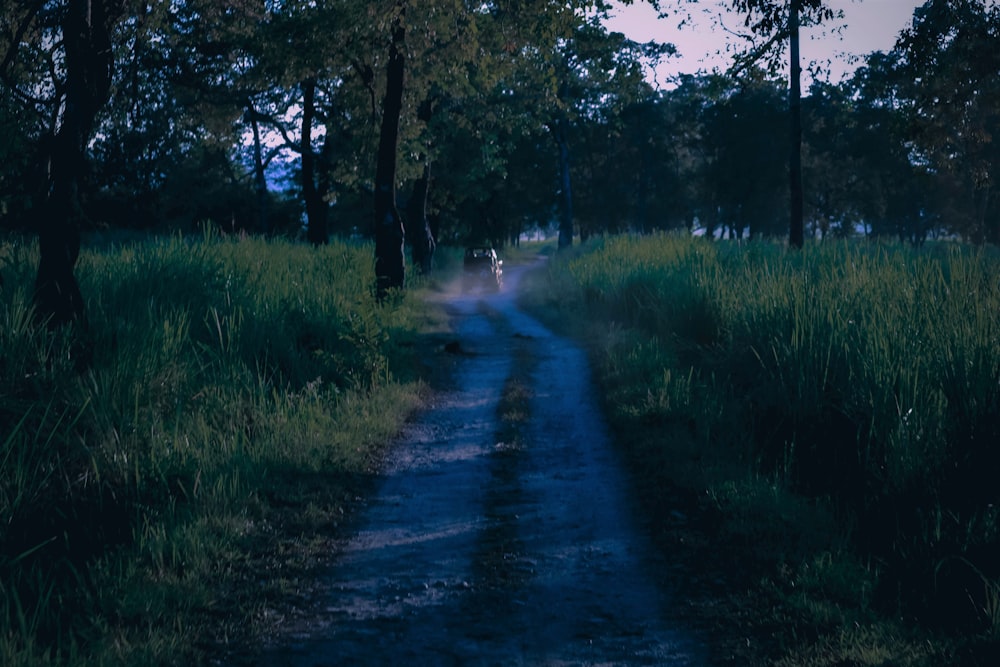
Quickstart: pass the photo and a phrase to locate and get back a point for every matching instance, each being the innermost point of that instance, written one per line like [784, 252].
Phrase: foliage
[226, 374]
[953, 113]
[901, 150]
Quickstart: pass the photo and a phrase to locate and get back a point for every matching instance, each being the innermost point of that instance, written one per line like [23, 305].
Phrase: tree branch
[750, 59]
[367, 76]
[18, 38]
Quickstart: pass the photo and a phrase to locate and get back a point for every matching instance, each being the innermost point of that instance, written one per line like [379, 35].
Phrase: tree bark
[418, 228]
[390, 236]
[89, 61]
[316, 218]
[796, 232]
[566, 220]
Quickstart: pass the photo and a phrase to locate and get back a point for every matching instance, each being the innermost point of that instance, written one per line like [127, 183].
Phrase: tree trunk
[89, 61]
[796, 234]
[642, 207]
[260, 181]
[324, 180]
[566, 220]
[418, 228]
[57, 297]
[390, 262]
[316, 230]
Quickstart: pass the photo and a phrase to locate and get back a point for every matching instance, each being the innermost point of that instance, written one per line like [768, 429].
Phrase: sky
[867, 26]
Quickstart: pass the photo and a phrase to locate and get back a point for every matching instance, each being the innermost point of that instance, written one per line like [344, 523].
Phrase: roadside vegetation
[225, 406]
[832, 417]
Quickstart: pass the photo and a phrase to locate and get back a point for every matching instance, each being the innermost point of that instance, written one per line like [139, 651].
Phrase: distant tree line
[266, 116]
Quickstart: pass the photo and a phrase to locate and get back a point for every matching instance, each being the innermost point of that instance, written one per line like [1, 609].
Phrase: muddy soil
[475, 551]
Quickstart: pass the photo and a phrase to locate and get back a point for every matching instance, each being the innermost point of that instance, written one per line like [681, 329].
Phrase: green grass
[235, 388]
[840, 406]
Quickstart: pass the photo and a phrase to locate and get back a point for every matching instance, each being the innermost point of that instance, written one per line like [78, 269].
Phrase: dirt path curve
[474, 552]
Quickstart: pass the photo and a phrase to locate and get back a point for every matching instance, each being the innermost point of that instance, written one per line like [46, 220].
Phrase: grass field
[833, 413]
[838, 407]
[236, 392]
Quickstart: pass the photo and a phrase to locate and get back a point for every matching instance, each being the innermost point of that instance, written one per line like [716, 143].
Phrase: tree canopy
[265, 116]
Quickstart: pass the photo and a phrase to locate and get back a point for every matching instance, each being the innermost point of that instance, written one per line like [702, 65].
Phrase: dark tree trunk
[992, 223]
[642, 209]
[324, 182]
[418, 229]
[57, 294]
[89, 61]
[260, 181]
[709, 218]
[796, 233]
[316, 228]
[566, 219]
[390, 262]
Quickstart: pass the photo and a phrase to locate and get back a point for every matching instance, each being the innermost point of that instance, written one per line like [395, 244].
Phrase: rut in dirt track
[473, 552]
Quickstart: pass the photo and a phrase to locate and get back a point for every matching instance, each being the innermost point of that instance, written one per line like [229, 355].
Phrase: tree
[746, 171]
[773, 22]
[596, 75]
[626, 160]
[390, 236]
[188, 77]
[858, 159]
[796, 235]
[31, 95]
[73, 38]
[86, 33]
[488, 130]
[417, 225]
[945, 79]
[313, 65]
[832, 166]
[488, 76]
[550, 55]
[425, 71]
[694, 125]
[314, 194]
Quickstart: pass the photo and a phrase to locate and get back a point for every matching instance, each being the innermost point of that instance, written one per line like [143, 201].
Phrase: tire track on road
[479, 551]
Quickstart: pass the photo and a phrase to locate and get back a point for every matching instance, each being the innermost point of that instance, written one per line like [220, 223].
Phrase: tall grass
[224, 376]
[863, 376]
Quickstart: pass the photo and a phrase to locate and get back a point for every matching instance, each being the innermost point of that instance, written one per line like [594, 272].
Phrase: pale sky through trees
[867, 26]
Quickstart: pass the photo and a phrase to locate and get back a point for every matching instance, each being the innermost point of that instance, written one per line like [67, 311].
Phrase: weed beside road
[159, 500]
[831, 415]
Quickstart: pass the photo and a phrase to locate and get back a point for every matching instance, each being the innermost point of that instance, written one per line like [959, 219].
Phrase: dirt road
[479, 552]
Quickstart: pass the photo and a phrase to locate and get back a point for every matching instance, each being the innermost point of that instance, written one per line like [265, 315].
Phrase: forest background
[265, 118]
